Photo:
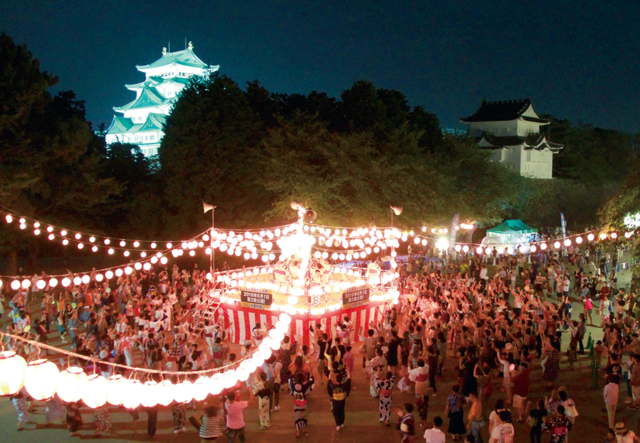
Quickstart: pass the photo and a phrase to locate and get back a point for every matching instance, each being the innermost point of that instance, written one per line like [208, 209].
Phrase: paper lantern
[116, 389]
[95, 395]
[556, 245]
[579, 240]
[15, 285]
[77, 281]
[40, 379]
[26, 283]
[543, 246]
[72, 383]
[165, 393]
[149, 396]
[13, 369]
[41, 284]
[132, 394]
[183, 392]
[200, 388]
[66, 281]
[215, 383]
[53, 282]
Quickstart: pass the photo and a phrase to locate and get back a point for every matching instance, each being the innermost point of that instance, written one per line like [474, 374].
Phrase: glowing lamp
[603, 236]
[116, 389]
[133, 393]
[40, 379]
[95, 395]
[25, 283]
[77, 281]
[543, 246]
[41, 284]
[8, 218]
[614, 235]
[533, 248]
[579, 240]
[149, 397]
[183, 392]
[465, 248]
[590, 237]
[509, 250]
[53, 282]
[15, 285]
[108, 275]
[13, 370]
[165, 393]
[71, 384]
[200, 390]
[567, 242]
[128, 270]
[86, 279]
[556, 245]
[479, 249]
[118, 272]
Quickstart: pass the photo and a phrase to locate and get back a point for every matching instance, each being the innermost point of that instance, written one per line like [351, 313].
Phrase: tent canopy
[511, 227]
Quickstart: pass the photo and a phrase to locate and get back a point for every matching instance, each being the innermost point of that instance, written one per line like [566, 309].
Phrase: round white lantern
[116, 389]
[183, 392]
[40, 379]
[165, 393]
[132, 395]
[215, 384]
[95, 395]
[72, 383]
[200, 390]
[13, 369]
[149, 397]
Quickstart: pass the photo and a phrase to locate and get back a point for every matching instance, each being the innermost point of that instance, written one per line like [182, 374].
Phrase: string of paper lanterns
[42, 379]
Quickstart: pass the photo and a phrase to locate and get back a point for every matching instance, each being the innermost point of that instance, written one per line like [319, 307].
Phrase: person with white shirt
[435, 435]
[503, 432]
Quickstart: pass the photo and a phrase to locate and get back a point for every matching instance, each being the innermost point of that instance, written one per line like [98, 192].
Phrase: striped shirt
[210, 427]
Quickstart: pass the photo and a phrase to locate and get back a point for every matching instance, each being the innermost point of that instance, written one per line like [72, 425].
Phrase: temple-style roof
[120, 125]
[154, 122]
[534, 141]
[155, 81]
[503, 111]
[149, 97]
[184, 58]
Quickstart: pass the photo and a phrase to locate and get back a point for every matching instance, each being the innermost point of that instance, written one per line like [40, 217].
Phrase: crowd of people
[492, 318]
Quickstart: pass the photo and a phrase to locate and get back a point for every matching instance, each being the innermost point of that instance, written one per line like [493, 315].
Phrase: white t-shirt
[434, 435]
[503, 433]
[626, 438]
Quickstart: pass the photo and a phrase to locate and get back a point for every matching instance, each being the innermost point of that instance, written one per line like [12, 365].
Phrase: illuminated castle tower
[140, 122]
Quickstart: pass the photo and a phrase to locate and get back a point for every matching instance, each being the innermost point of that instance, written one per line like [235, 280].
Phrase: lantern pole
[211, 253]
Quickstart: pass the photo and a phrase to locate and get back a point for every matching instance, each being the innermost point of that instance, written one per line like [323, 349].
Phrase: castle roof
[503, 111]
[155, 81]
[184, 58]
[149, 97]
[122, 125]
[533, 141]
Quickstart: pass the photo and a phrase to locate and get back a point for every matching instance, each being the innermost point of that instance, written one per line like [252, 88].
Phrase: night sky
[575, 60]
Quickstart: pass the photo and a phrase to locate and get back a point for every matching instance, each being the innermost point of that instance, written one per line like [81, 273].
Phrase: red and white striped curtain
[240, 321]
